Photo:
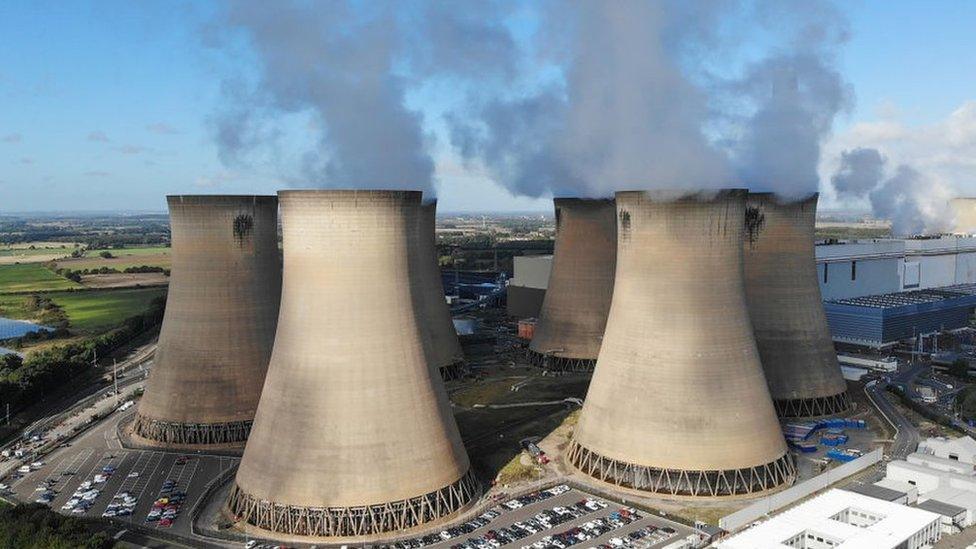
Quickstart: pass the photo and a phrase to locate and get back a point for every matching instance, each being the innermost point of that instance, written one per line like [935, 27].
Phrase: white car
[86, 485]
[133, 474]
[100, 479]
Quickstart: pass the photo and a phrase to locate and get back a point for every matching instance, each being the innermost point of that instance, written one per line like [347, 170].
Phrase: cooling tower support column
[678, 404]
[574, 310]
[219, 325]
[437, 326]
[787, 312]
[354, 436]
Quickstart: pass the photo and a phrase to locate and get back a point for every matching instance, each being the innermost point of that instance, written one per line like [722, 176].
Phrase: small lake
[10, 328]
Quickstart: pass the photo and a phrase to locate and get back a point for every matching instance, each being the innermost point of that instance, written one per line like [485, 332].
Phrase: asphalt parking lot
[139, 473]
[555, 519]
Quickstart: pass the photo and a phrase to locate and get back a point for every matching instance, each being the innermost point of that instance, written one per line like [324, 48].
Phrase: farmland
[121, 259]
[88, 311]
[32, 277]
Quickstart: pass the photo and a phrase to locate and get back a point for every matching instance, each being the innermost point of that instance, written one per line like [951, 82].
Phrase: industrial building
[574, 310]
[786, 310]
[961, 449]
[527, 287]
[354, 437]
[845, 520]
[219, 324]
[678, 403]
[437, 327]
[844, 270]
[883, 320]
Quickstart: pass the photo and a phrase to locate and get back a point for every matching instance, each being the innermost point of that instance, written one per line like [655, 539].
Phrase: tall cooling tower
[219, 325]
[574, 310]
[787, 313]
[354, 436]
[678, 404]
[436, 325]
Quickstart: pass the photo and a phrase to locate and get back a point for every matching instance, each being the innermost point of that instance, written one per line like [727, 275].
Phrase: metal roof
[944, 509]
[876, 492]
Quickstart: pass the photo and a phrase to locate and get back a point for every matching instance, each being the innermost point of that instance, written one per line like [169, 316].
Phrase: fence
[771, 503]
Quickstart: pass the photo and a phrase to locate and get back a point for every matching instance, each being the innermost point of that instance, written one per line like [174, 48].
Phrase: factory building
[574, 310]
[527, 288]
[668, 362]
[883, 320]
[854, 269]
[354, 437]
[219, 325]
[844, 519]
[961, 449]
[787, 314]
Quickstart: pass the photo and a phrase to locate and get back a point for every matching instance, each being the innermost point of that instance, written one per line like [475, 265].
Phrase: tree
[106, 254]
[959, 368]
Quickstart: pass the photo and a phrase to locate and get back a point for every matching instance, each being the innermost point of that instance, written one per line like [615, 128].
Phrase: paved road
[907, 436]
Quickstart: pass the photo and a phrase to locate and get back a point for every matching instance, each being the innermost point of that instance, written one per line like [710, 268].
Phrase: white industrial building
[853, 269]
[962, 449]
[844, 520]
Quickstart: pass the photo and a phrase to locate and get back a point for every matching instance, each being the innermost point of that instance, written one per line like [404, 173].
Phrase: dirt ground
[124, 280]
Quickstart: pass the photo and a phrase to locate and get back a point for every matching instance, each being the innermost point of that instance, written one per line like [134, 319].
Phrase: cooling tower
[678, 404]
[354, 436]
[437, 326]
[574, 310]
[219, 325]
[786, 309]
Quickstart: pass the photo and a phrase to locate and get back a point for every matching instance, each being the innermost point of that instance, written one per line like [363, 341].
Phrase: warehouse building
[839, 518]
[882, 320]
[846, 270]
[961, 449]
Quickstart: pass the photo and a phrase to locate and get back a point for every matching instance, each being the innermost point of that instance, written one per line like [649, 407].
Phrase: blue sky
[110, 105]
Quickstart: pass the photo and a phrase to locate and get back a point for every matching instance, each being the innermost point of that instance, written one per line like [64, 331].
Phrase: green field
[91, 311]
[95, 311]
[32, 277]
[123, 252]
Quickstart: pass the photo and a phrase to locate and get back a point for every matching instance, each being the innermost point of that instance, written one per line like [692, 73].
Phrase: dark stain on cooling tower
[243, 225]
[624, 232]
[558, 211]
[755, 220]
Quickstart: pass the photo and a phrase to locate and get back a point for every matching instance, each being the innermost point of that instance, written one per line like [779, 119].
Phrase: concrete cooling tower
[354, 437]
[437, 326]
[219, 325]
[574, 310]
[787, 312]
[678, 404]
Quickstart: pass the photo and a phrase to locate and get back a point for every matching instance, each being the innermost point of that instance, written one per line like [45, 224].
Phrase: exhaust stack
[574, 309]
[354, 436]
[678, 404]
[787, 312]
[219, 325]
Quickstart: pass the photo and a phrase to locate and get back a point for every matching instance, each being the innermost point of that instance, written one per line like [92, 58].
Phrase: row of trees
[34, 526]
[25, 381]
[76, 275]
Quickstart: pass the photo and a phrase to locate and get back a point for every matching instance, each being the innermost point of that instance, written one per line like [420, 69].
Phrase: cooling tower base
[190, 434]
[814, 407]
[677, 482]
[380, 519]
[560, 363]
[455, 370]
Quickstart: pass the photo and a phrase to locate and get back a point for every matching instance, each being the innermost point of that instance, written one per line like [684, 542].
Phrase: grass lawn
[123, 252]
[32, 277]
[95, 311]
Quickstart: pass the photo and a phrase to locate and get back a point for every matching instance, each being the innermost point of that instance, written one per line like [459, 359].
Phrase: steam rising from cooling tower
[786, 309]
[354, 435]
[436, 325]
[678, 403]
[574, 310]
[219, 325]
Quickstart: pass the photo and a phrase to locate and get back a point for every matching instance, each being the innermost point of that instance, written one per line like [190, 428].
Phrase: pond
[10, 328]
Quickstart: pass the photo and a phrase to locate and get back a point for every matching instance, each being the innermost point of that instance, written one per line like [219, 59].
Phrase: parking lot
[95, 477]
[556, 518]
